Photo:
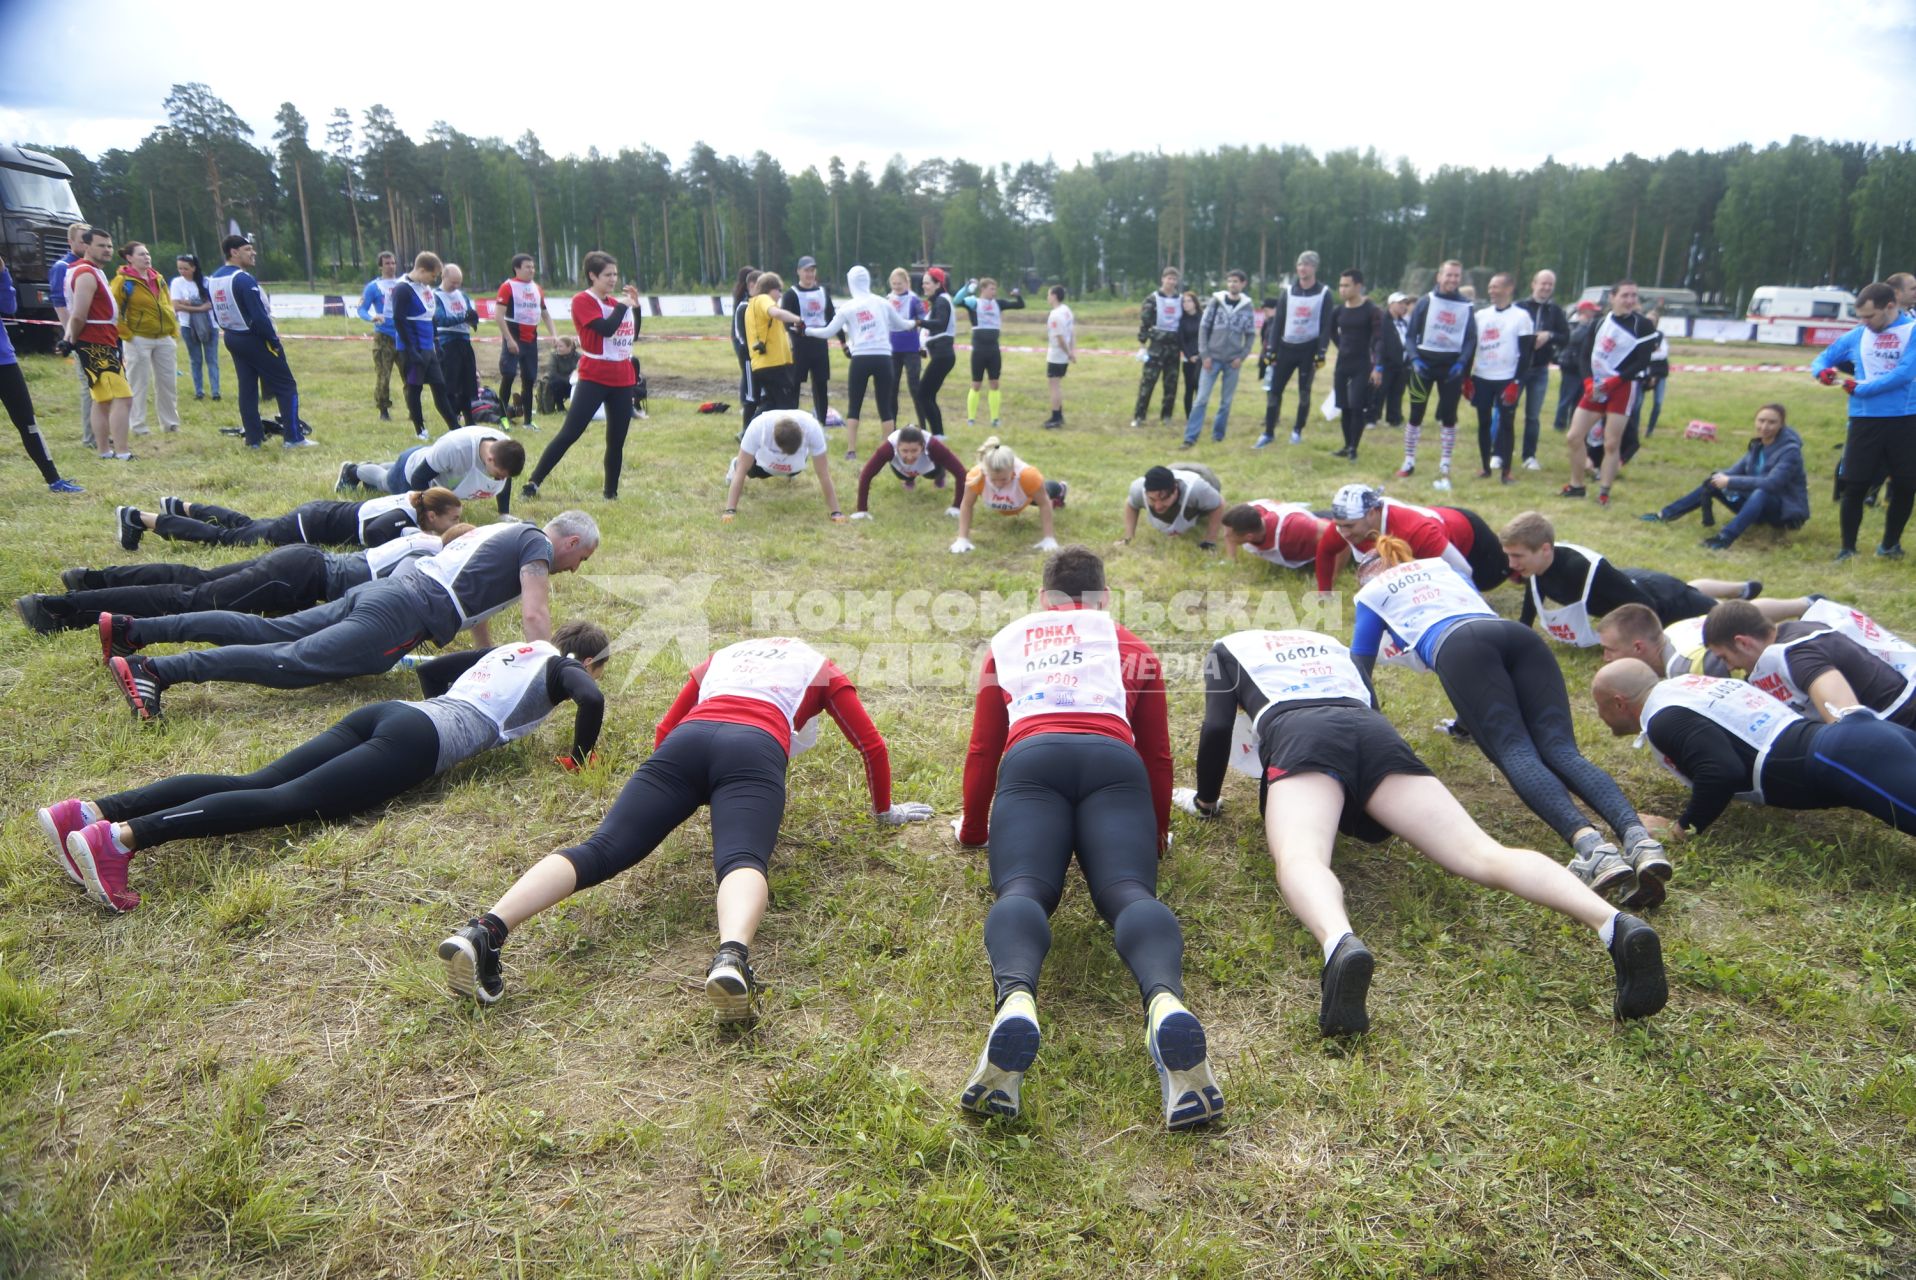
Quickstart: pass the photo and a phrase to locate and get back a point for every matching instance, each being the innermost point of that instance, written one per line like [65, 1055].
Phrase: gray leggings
[361, 635]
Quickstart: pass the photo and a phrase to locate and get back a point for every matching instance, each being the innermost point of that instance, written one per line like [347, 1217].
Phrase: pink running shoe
[102, 866]
[60, 821]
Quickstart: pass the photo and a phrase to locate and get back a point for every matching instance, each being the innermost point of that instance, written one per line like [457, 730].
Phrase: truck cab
[36, 204]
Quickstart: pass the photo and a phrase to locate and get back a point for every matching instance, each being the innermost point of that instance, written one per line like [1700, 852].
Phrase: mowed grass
[259, 1073]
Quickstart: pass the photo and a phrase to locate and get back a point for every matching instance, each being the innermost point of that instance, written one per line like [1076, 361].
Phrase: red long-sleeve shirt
[1444, 535]
[1145, 726]
[940, 453]
[831, 692]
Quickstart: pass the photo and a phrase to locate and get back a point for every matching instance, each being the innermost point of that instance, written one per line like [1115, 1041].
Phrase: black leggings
[225, 528]
[1352, 384]
[1060, 792]
[462, 375]
[1284, 362]
[1489, 566]
[942, 360]
[811, 360]
[867, 370]
[737, 769]
[525, 364]
[1509, 693]
[1448, 393]
[1192, 368]
[1496, 435]
[374, 755]
[19, 403]
[987, 361]
[904, 371]
[618, 420]
[285, 580]
[1875, 450]
[426, 371]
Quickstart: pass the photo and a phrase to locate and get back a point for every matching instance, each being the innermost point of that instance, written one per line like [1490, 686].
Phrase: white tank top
[528, 303]
[1283, 510]
[1412, 598]
[1570, 624]
[508, 686]
[1772, 674]
[1180, 518]
[777, 669]
[387, 556]
[1746, 711]
[989, 317]
[373, 508]
[1444, 324]
[1012, 498]
[1869, 633]
[1612, 347]
[617, 347]
[1303, 316]
[1169, 312]
[1061, 662]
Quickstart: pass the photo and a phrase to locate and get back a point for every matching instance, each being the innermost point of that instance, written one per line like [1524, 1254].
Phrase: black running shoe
[137, 681]
[530, 489]
[1346, 982]
[348, 477]
[173, 506]
[73, 579]
[35, 615]
[116, 637]
[472, 963]
[1637, 954]
[131, 530]
[730, 985]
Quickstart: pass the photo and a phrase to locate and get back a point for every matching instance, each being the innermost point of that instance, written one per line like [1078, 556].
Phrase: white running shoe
[1175, 1040]
[1009, 1050]
[1531, 464]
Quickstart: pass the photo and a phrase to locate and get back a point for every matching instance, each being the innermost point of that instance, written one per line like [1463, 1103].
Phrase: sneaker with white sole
[992, 1089]
[1175, 1040]
[1531, 464]
[1604, 871]
[102, 866]
[472, 963]
[1496, 462]
[137, 681]
[60, 821]
[730, 985]
[172, 506]
[132, 529]
[1442, 482]
[1653, 869]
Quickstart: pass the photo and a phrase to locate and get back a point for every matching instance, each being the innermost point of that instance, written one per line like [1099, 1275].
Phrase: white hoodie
[868, 320]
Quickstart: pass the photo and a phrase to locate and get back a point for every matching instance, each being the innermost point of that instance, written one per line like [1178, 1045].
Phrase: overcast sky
[1474, 84]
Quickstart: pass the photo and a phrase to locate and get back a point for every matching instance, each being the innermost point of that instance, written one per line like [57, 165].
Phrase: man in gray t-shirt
[1176, 499]
[434, 598]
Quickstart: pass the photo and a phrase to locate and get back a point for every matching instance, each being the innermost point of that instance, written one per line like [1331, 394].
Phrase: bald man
[1728, 740]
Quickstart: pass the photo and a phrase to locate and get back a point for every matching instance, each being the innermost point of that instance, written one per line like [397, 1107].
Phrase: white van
[1819, 314]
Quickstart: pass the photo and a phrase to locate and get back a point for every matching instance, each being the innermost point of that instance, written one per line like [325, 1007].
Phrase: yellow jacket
[146, 310]
[760, 327]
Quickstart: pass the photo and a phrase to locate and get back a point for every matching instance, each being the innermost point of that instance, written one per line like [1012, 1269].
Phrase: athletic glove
[573, 766]
[1421, 369]
[62, 348]
[861, 515]
[1456, 373]
[1849, 386]
[961, 546]
[1207, 546]
[1509, 396]
[1469, 388]
[1144, 356]
[899, 814]
[1185, 798]
[1045, 544]
[957, 833]
[1827, 377]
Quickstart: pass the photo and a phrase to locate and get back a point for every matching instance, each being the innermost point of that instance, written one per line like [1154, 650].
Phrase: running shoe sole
[82, 854]
[1653, 878]
[1178, 1050]
[730, 998]
[60, 854]
[107, 652]
[1346, 983]
[123, 673]
[1642, 988]
[1009, 1052]
[462, 969]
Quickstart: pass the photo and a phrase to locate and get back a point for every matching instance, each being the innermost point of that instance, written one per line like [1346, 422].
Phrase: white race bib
[778, 669]
[1061, 662]
[1747, 712]
[1444, 324]
[1570, 624]
[1412, 598]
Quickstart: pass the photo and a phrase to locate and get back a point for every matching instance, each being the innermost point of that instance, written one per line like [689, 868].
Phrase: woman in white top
[193, 304]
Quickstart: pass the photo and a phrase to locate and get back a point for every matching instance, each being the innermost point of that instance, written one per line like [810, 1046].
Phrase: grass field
[259, 1073]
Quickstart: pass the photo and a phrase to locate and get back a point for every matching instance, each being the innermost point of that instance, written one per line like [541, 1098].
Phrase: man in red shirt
[521, 308]
[92, 334]
[1069, 740]
[1460, 538]
[725, 743]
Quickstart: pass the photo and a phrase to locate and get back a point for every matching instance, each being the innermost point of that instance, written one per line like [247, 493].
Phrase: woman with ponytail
[328, 523]
[1005, 483]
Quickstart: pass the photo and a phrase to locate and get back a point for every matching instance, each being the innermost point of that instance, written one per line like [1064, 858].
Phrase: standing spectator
[1158, 346]
[1659, 373]
[1615, 354]
[1295, 339]
[1224, 339]
[93, 336]
[452, 317]
[1190, 323]
[1764, 486]
[1358, 328]
[57, 296]
[1440, 343]
[1904, 285]
[1882, 415]
[1061, 352]
[1570, 361]
[521, 309]
[410, 307]
[941, 329]
[741, 296]
[146, 328]
[1504, 348]
[811, 302]
[258, 358]
[372, 308]
[1552, 336]
[607, 327]
[194, 307]
[907, 345]
[16, 398]
[1390, 404]
[774, 380]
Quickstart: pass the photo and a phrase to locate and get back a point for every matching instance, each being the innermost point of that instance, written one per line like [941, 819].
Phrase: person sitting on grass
[1766, 485]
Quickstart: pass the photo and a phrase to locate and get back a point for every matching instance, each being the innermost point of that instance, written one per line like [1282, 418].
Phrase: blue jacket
[252, 308]
[372, 306]
[9, 303]
[1777, 471]
[411, 321]
[1891, 395]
